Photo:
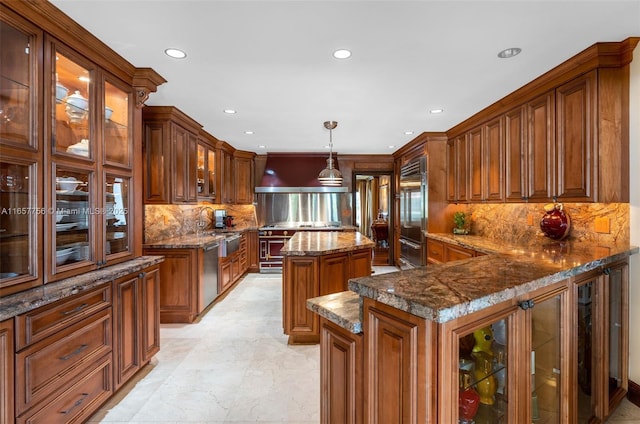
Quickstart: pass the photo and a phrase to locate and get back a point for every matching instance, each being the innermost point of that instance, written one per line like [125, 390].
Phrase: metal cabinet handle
[74, 310]
[76, 404]
[75, 352]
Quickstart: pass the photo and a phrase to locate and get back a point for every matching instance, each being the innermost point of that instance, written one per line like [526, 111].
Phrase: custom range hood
[295, 173]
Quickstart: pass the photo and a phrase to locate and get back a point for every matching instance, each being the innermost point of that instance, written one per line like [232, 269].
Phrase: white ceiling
[272, 61]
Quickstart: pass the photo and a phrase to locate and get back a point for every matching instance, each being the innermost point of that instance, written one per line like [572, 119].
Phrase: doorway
[372, 196]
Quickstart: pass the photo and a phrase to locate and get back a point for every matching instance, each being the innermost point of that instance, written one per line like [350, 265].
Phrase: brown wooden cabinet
[64, 358]
[136, 309]
[170, 143]
[305, 277]
[226, 189]
[561, 134]
[232, 267]
[206, 172]
[341, 375]
[243, 177]
[399, 364]
[7, 395]
[439, 252]
[253, 251]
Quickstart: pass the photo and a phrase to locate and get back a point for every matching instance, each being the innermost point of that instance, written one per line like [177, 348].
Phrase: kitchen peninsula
[396, 346]
[316, 264]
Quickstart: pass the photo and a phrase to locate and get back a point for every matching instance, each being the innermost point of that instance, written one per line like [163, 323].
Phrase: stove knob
[270, 232]
[286, 232]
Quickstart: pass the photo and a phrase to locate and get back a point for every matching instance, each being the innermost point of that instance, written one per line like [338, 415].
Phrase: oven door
[269, 256]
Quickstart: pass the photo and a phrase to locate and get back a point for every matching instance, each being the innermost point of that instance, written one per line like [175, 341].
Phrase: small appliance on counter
[220, 216]
[228, 221]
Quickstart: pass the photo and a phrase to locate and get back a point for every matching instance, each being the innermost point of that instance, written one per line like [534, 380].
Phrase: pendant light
[330, 176]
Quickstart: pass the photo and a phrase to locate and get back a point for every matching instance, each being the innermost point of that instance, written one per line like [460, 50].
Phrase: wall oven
[413, 212]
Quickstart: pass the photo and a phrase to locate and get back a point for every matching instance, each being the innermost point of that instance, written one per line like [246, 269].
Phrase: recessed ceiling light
[175, 53]
[510, 52]
[248, 132]
[392, 147]
[342, 54]
[436, 111]
[229, 111]
[408, 132]
[262, 146]
[326, 147]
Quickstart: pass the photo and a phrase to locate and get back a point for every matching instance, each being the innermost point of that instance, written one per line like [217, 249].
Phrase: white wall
[634, 222]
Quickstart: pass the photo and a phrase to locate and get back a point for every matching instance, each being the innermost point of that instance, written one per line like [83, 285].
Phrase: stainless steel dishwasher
[210, 277]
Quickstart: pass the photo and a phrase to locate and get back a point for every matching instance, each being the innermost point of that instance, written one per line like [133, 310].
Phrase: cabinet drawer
[43, 322]
[435, 251]
[46, 366]
[79, 401]
[456, 253]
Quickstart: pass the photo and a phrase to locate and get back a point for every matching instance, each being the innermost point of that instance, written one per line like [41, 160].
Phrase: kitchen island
[551, 317]
[316, 264]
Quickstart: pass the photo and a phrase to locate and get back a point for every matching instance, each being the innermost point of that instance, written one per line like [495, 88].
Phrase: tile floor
[234, 366]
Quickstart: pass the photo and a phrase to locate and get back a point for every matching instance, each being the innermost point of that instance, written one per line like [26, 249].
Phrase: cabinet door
[20, 226]
[616, 328]
[73, 132]
[341, 375]
[300, 282]
[179, 164]
[452, 175]
[75, 243]
[395, 372]
[157, 154]
[435, 251]
[243, 171]
[226, 275]
[576, 108]
[334, 273]
[493, 152]
[541, 148]
[516, 165]
[117, 139]
[252, 251]
[461, 166]
[150, 313]
[118, 230]
[20, 77]
[191, 182]
[6, 369]
[127, 328]
[359, 264]
[455, 253]
[476, 164]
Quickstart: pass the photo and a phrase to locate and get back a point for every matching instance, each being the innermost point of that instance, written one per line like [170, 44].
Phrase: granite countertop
[316, 243]
[25, 301]
[341, 308]
[447, 291]
[190, 241]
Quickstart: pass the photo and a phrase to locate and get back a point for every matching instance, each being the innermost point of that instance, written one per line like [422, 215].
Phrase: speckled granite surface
[312, 243]
[447, 291]
[25, 301]
[341, 308]
[189, 241]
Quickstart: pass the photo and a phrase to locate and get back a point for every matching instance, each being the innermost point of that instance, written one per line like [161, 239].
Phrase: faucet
[201, 222]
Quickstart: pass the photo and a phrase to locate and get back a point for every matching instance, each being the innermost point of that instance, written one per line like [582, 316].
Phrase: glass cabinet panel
[117, 139]
[586, 325]
[116, 214]
[17, 79]
[617, 335]
[483, 358]
[545, 361]
[211, 173]
[18, 213]
[72, 125]
[73, 218]
[202, 170]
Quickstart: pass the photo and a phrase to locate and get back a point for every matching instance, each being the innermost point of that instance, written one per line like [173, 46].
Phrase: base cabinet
[439, 252]
[6, 369]
[137, 322]
[305, 277]
[555, 355]
[341, 375]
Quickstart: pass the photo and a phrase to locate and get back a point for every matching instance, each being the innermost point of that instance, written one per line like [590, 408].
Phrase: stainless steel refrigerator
[413, 212]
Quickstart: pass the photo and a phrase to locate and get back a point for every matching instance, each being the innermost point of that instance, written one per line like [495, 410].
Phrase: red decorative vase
[468, 399]
[555, 223]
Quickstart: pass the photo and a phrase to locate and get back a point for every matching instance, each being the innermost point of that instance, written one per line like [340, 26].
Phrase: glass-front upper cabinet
[72, 129]
[19, 217]
[116, 216]
[73, 238]
[19, 79]
[206, 172]
[117, 132]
